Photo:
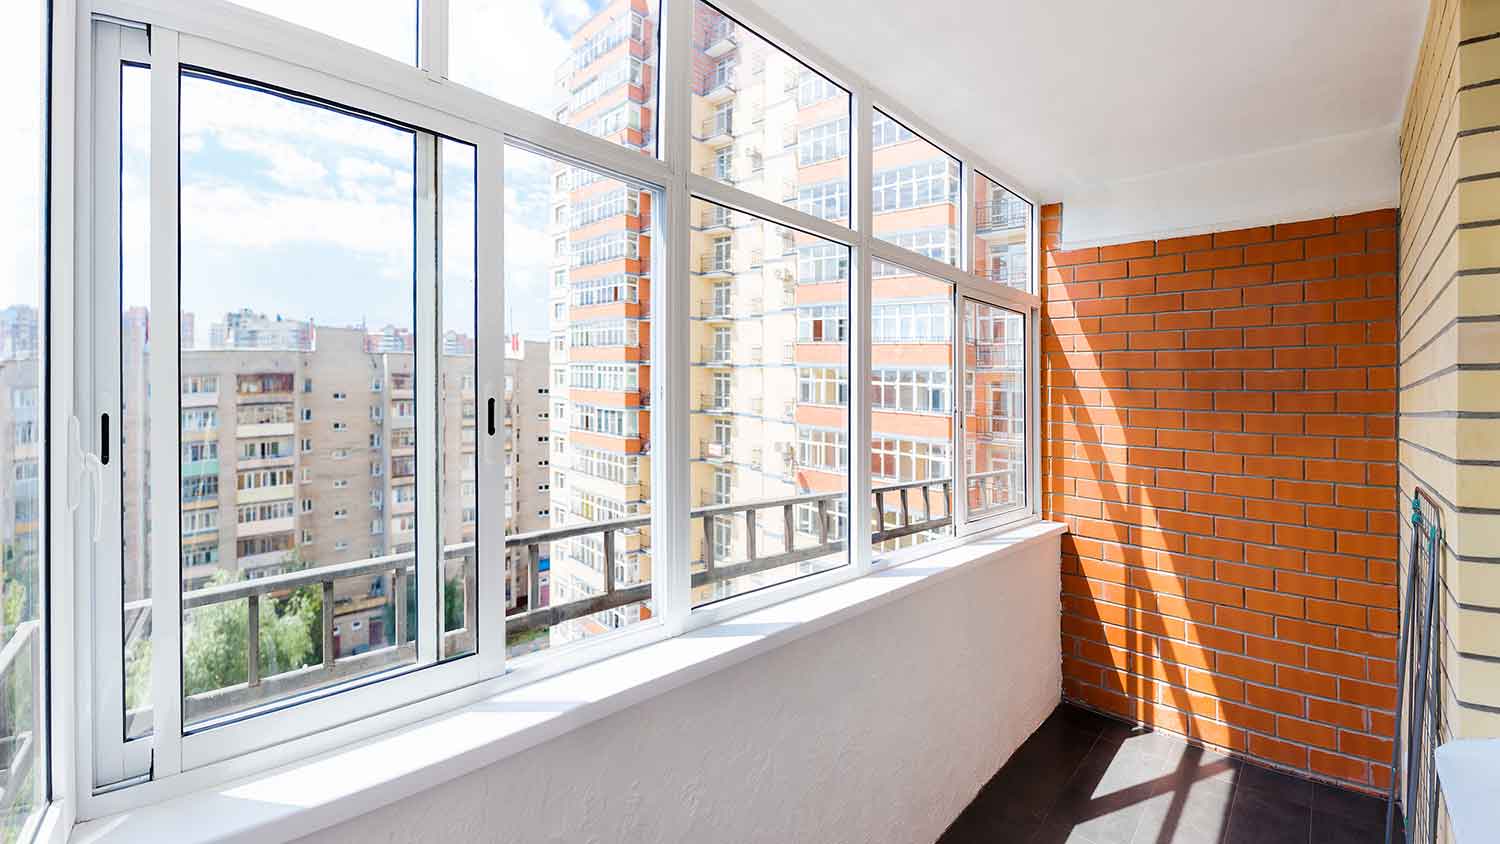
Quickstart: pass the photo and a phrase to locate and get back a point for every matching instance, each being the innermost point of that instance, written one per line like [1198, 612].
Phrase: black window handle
[104, 438]
[492, 417]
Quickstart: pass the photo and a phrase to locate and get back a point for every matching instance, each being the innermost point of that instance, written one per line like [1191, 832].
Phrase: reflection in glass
[578, 401]
[297, 412]
[994, 409]
[1002, 235]
[592, 66]
[770, 371]
[911, 418]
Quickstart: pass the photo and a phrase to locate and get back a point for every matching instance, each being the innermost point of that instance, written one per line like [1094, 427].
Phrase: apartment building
[599, 318]
[770, 316]
[298, 452]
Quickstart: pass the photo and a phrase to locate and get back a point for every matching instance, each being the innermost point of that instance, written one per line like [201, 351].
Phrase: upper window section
[1002, 235]
[915, 192]
[589, 65]
[388, 27]
[766, 123]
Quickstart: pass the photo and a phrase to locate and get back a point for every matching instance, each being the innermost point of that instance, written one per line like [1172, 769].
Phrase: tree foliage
[215, 653]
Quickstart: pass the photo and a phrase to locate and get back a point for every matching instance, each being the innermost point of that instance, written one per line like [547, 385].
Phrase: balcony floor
[1085, 778]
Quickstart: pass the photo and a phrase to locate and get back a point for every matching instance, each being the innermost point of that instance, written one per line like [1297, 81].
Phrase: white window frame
[233, 39]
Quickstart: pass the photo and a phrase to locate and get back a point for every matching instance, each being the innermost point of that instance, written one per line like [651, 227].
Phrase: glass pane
[22, 744]
[135, 431]
[458, 449]
[298, 418]
[589, 65]
[1002, 235]
[911, 401]
[994, 409]
[770, 385]
[388, 27]
[765, 122]
[915, 192]
[578, 292]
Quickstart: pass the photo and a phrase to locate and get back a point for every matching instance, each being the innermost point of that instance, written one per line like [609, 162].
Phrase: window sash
[349, 70]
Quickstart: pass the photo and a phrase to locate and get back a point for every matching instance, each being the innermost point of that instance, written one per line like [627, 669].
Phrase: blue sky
[292, 209]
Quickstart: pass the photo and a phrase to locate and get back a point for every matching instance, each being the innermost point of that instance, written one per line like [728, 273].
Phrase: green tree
[215, 637]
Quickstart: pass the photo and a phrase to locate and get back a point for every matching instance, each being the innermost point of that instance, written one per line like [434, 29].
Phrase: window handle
[104, 439]
[492, 417]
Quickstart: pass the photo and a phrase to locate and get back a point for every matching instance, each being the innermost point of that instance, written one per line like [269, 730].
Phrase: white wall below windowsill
[920, 682]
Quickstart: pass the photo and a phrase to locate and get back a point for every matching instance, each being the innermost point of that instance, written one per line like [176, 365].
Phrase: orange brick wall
[1220, 439]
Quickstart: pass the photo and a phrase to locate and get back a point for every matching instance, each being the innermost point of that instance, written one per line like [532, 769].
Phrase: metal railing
[1005, 214]
[715, 264]
[22, 651]
[713, 127]
[996, 491]
[258, 689]
[1017, 275]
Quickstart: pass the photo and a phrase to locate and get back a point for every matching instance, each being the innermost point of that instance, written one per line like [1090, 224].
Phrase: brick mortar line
[1435, 106]
[1216, 625]
[1257, 566]
[1272, 590]
[1308, 773]
[1175, 532]
[1245, 655]
[1245, 497]
[1243, 701]
[1231, 584]
[1247, 681]
[1366, 276]
[1185, 451]
[1448, 151]
[1221, 431]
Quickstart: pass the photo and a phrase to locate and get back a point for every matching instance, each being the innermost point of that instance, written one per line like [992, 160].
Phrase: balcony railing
[1007, 356]
[715, 264]
[713, 402]
[996, 491]
[716, 127]
[259, 689]
[719, 38]
[1015, 275]
[1005, 214]
[717, 218]
[22, 652]
[714, 307]
[714, 354]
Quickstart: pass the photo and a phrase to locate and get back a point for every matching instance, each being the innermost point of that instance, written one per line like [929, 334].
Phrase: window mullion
[861, 303]
[428, 555]
[432, 37]
[958, 463]
[671, 478]
[489, 169]
[165, 471]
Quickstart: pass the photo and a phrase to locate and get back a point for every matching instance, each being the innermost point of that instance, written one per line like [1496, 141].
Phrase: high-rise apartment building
[770, 316]
[299, 452]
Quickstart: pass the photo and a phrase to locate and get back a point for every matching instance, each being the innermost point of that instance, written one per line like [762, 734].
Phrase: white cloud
[510, 49]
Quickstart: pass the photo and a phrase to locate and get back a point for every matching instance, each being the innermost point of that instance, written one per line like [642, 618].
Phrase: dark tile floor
[1082, 777]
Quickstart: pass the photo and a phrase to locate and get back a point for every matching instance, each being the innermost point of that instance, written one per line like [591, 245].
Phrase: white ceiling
[1066, 95]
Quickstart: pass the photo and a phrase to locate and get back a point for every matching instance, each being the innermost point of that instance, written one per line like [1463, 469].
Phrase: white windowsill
[302, 798]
